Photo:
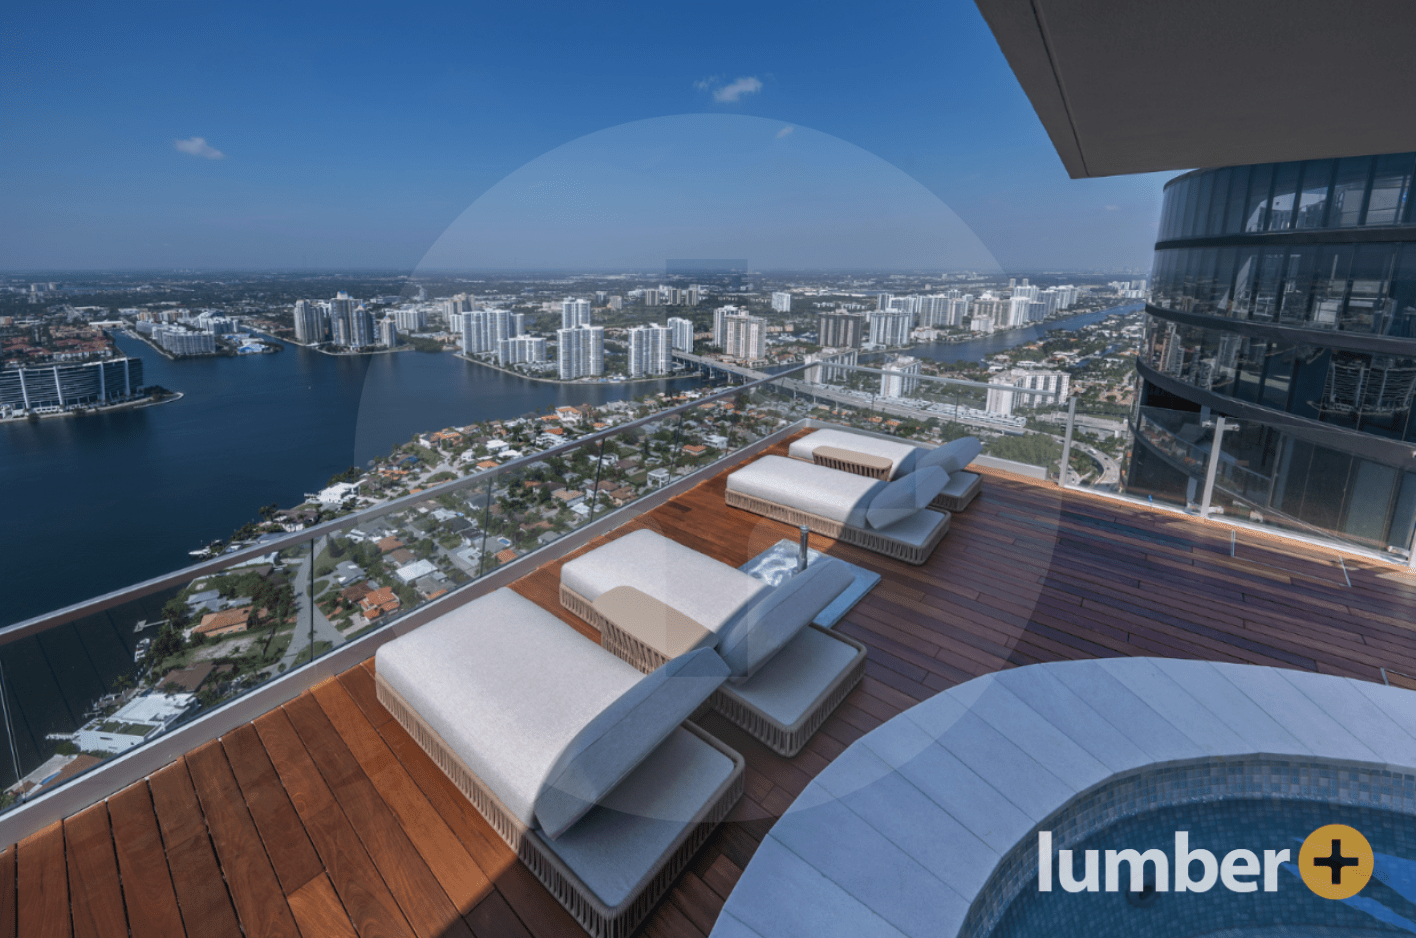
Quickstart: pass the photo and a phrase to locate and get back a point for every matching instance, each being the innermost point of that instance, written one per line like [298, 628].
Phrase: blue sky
[209, 134]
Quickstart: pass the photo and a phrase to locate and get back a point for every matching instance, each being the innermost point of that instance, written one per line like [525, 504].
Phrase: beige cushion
[759, 631]
[828, 493]
[695, 584]
[905, 496]
[507, 686]
[622, 735]
[896, 452]
[952, 456]
[656, 624]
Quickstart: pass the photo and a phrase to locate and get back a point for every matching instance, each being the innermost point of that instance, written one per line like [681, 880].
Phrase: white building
[650, 348]
[895, 383]
[890, 328]
[720, 327]
[521, 350]
[482, 329]
[782, 302]
[745, 337]
[580, 352]
[132, 723]
[831, 360]
[575, 312]
[411, 320]
[181, 341]
[1044, 387]
[388, 332]
[682, 330]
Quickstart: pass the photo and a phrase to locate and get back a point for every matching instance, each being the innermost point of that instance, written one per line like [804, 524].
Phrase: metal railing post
[1067, 442]
[1220, 425]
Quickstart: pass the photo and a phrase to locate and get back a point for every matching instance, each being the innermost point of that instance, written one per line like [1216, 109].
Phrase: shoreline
[133, 333]
[106, 409]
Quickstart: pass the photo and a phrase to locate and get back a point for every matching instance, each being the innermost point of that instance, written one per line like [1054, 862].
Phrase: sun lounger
[875, 458]
[654, 599]
[585, 767]
[887, 517]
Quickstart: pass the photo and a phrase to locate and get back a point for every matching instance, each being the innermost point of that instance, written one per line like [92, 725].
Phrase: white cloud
[197, 146]
[785, 131]
[1112, 208]
[732, 92]
[703, 84]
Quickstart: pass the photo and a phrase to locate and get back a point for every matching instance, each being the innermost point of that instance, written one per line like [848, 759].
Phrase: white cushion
[759, 631]
[786, 687]
[703, 589]
[828, 493]
[905, 496]
[622, 735]
[897, 452]
[507, 686]
[952, 456]
[629, 832]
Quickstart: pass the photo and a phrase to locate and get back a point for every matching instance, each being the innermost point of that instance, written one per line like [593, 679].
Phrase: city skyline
[284, 166]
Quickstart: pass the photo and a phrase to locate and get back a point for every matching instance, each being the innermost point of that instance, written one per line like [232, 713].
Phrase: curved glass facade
[1285, 295]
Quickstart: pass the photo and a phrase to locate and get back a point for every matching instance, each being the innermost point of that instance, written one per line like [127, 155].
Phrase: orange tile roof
[227, 620]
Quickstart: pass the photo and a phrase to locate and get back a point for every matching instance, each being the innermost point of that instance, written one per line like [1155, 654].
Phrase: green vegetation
[1034, 449]
[423, 345]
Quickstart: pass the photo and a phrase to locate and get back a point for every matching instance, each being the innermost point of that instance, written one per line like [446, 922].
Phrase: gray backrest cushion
[615, 742]
[905, 496]
[952, 456]
[759, 631]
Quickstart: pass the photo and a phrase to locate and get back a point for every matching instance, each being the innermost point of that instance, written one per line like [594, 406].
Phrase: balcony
[321, 816]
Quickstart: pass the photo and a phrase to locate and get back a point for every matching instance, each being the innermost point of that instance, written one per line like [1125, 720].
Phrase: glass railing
[99, 679]
[1264, 475]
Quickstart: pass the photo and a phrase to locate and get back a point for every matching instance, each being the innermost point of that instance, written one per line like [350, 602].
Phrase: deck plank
[255, 889]
[196, 876]
[7, 893]
[426, 906]
[360, 888]
[142, 864]
[97, 905]
[318, 911]
[42, 885]
[286, 842]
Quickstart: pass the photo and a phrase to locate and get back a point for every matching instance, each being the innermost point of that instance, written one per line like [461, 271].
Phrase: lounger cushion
[617, 740]
[703, 589]
[897, 452]
[786, 687]
[828, 493]
[626, 836]
[507, 686]
[905, 496]
[758, 632]
[952, 456]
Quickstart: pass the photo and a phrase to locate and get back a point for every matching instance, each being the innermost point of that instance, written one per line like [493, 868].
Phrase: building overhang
[1127, 87]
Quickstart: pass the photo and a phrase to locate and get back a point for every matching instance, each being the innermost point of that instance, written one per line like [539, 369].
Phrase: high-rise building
[781, 302]
[840, 330]
[890, 328]
[896, 381]
[580, 352]
[720, 329]
[831, 364]
[575, 312]
[649, 296]
[525, 349]
[1284, 297]
[745, 337]
[71, 384]
[411, 320]
[682, 330]
[882, 300]
[179, 340]
[518, 324]
[482, 329]
[650, 349]
[361, 328]
[1017, 312]
[388, 332]
[1044, 387]
[309, 323]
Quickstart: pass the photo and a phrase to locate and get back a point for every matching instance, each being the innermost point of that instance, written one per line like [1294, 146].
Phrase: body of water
[102, 501]
[974, 350]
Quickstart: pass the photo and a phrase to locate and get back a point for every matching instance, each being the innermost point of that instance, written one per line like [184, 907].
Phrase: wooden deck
[323, 818]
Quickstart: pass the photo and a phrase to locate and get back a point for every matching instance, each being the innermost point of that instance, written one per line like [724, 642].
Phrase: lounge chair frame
[587, 909]
[840, 460]
[860, 537]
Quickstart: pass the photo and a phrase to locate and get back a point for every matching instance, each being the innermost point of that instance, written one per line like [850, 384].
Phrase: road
[305, 606]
